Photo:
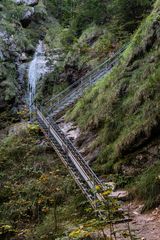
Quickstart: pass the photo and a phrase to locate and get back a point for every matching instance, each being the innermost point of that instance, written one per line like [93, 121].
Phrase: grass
[121, 105]
[123, 108]
[147, 187]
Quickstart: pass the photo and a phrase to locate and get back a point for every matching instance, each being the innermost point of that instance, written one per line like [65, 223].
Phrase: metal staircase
[83, 175]
[85, 178]
[78, 168]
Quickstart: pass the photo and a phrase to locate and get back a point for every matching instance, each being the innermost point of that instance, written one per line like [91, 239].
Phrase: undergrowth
[35, 189]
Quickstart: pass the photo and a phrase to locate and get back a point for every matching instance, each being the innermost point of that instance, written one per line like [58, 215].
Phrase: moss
[94, 44]
[8, 81]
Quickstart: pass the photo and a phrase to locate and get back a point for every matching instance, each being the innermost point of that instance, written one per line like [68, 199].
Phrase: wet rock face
[17, 46]
[31, 3]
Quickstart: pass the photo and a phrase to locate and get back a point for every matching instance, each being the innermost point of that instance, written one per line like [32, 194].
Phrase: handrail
[87, 75]
[90, 78]
[79, 89]
[67, 142]
[85, 84]
[72, 148]
[73, 174]
[83, 175]
[88, 175]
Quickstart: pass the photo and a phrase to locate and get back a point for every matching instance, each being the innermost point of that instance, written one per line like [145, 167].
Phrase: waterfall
[37, 69]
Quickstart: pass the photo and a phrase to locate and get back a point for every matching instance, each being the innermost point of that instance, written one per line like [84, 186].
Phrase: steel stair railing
[79, 169]
[104, 64]
[81, 84]
[82, 174]
[73, 95]
[70, 155]
[73, 149]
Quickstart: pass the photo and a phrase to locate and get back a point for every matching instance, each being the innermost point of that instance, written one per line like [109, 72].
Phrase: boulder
[120, 195]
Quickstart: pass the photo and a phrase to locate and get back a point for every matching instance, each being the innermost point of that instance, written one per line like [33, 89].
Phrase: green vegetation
[35, 188]
[123, 108]
[87, 34]
[147, 186]
[128, 13]
[38, 199]
[78, 14]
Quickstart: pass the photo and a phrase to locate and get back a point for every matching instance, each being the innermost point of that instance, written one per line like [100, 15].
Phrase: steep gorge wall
[123, 109]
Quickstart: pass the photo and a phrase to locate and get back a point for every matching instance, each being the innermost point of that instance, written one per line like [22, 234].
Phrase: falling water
[37, 68]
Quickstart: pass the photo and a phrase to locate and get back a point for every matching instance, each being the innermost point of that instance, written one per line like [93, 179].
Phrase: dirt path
[147, 225]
